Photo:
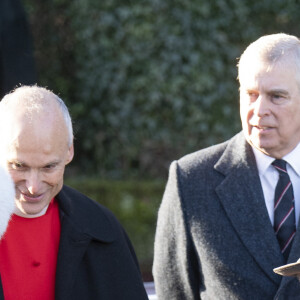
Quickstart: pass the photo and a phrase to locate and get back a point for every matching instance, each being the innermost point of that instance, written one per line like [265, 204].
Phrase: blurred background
[146, 82]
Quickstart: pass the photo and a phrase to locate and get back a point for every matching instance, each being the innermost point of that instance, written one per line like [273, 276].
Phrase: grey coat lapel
[242, 198]
[295, 250]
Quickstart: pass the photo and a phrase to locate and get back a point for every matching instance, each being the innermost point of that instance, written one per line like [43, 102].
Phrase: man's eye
[252, 96]
[17, 166]
[49, 167]
[275, 96]
[278, 98]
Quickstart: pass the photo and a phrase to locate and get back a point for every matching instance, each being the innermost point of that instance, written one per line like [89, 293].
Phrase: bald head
[35, 104]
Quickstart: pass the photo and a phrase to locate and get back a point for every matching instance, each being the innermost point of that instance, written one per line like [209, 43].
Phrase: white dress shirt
[269, 177]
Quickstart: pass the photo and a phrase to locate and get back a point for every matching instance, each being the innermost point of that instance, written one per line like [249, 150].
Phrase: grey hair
[34, 95]
[273, 49]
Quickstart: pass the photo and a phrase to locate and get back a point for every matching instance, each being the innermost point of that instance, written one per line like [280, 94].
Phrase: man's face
[35, 155]
[270, 108]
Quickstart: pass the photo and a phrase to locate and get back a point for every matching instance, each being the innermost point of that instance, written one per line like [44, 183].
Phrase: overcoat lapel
[71, 250]
[76, 234]
[242, 198]
[295, 250]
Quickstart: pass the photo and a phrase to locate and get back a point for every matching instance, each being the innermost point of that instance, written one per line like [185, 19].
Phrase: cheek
[286, 121]
[55, 178]
[245, 113]
[16, 176]
[243, 105]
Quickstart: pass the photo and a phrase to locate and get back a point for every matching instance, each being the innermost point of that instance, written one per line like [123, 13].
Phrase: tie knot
[280, 165]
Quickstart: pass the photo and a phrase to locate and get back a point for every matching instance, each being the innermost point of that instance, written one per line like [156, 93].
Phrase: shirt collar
[263, 161]
[293, 159]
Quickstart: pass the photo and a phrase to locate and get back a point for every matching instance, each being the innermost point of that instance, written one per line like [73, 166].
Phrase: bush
[148, 81]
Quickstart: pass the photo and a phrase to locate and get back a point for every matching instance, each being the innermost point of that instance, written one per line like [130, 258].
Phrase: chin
[261, 143]
[29, 209]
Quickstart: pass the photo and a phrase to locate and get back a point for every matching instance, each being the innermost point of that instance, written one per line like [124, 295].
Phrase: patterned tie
[284, 212]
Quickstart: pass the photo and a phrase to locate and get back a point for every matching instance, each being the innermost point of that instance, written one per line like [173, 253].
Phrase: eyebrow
[15, 161]
[23, 164]
[279, 91]
[54, 163]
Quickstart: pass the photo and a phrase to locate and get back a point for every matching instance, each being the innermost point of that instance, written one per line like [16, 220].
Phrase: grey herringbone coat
[214, 238]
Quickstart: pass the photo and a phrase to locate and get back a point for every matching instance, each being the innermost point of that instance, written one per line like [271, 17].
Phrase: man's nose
[33, 182]
[261, 106]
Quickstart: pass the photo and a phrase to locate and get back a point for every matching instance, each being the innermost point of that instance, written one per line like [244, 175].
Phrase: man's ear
[70, 154]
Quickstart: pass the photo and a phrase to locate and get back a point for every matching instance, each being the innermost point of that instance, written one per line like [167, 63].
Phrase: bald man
[59, 243]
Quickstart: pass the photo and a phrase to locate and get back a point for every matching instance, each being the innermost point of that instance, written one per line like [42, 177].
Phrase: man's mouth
[32, 198]
[262, 128]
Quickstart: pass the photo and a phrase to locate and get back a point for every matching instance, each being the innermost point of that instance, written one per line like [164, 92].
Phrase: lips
[262, 127]
[32, 198]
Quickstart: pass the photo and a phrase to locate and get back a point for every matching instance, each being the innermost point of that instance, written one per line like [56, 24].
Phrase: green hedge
[148, 81]
[135, 204]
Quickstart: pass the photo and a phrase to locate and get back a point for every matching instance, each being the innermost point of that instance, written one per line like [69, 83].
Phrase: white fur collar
[7, 199]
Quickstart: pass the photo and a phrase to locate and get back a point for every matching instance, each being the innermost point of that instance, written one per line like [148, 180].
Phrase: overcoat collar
[242, 198]
[86, 222]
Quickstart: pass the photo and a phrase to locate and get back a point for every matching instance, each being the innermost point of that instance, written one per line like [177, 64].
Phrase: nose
[261, 106]
[33, 182]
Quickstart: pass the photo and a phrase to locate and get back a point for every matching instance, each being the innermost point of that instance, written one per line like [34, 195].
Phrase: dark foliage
[148, 81]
